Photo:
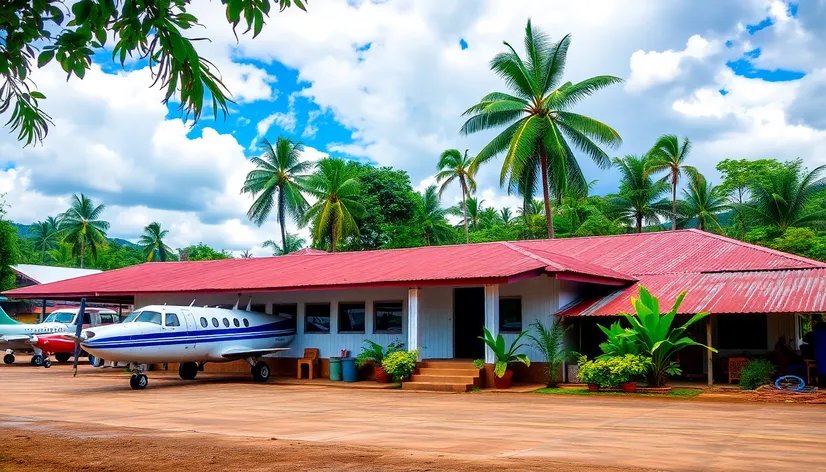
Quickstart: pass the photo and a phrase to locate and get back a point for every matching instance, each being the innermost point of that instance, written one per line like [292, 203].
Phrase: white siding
[436, 322]
[539, 302]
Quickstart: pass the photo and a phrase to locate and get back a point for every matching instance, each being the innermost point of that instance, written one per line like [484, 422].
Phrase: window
[149, 317]
[106, 319]
[235, 322]
[289, 311]
[388, 317]
[226, 322]
[742, 331]
[258, 308]
[60, 317]
[317, 318]
[246, 323]
[131, 317]
[510, 315]
[204, 322]
[172, 320]
[351, 317]
[215, 322]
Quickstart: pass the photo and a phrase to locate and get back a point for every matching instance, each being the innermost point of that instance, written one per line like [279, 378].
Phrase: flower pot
[381, 375]
[573, 373]
[593, 387]
[629, 387]
[503, 381]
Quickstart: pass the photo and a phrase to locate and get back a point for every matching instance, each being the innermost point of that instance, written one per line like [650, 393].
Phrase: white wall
[436, 322]
[540, 301]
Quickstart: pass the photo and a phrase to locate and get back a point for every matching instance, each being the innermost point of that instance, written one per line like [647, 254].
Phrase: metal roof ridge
[768, 250]
[536, 257]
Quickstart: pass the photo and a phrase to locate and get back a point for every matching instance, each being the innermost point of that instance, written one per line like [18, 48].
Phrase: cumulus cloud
[653, 68]
[285, 121]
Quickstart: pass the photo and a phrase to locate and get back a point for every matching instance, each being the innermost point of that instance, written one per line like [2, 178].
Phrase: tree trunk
[426, 238]
[639, 223]
[674, 201]
[544, 170]
[281, 220]
[82, 252]
[333, 238]
[464, 207]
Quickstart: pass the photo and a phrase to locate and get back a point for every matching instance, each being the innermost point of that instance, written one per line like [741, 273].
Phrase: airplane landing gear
[37, 360]
[8, 359]
[188, 370]
[138, 381]
[261, 371]
[62, 356]
[47, 362]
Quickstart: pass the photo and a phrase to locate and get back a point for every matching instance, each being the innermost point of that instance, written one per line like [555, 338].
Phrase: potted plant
[550, 341]
[375, 353]
[502, 376]
[593, 373]
[625, 370]
[400, 365]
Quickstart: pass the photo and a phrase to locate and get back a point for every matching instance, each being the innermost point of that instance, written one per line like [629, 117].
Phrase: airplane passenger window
[246, 323]
[215, 322]
[235, 322]
[172, 320]
[150, 317]
[204, 322]
[226, 322]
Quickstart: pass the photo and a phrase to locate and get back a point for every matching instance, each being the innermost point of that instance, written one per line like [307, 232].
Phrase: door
[191, 325]
[468, 321]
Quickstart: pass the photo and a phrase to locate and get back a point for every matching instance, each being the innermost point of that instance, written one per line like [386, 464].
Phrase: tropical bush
[609, 372]
[594, 372]
[376, 353]
[756, 373]
[479, 363]
[503, 356]
[400, 364]
[550, 341]
[653, 334]
[619, 342]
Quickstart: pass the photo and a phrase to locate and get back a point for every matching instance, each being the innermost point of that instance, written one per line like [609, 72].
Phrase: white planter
[573, 373]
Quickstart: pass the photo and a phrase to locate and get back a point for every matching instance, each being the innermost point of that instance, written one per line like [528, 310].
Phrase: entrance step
[445, 376]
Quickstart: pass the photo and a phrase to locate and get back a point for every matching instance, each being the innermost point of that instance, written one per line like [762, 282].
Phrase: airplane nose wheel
[8, 359]
[261, 371]
[37, 360]
[47, 363]
[138, 381]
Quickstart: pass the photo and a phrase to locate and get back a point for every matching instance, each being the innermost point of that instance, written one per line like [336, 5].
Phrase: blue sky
[387, 81]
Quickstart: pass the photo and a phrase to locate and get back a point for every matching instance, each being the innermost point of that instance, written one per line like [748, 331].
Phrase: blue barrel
[335, 368]
[349, 370]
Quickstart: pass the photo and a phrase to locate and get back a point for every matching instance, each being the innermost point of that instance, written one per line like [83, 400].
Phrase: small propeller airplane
[190, 336]
[41, 339]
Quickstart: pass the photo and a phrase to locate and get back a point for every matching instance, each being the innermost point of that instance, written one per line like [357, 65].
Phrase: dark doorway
[468, 320]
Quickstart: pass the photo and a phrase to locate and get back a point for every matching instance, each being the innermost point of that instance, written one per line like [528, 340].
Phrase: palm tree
[46, 236]
[506, 216]
[452, 166]
[294, 243]
[474, 212]
[152, 243]
[336, 189]
[640, 198]
[246, 255]
[703, 201]
[436, 228]
[82, 228]
[488, 217]
[669, 155]
[786, 200]
[540, 128]
[276, 182]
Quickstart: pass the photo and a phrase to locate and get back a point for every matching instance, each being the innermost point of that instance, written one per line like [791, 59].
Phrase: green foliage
[45, 236]
[431, 217]
[374, 352]
[72, 33]
[702, 201]
[116, 256]
[756, 373]
[502, 354]
[668, 155]
[618, 343]
[610, 372]
[593, 372]
[740, 174]
[479, 363]
[456, 166]
[151, 242]
[9, 254]
[293, 243]
[550, 341]
[640, 198]
[655, 337]
[82, 228]
[674, 393]
[336, 189]
[202, 252]
[400, 364]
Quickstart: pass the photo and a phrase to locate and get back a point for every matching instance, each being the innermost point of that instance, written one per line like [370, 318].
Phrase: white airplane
[23, 337]
[191, 336]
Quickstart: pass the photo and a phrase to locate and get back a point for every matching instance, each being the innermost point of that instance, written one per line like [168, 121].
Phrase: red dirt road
[227, 422]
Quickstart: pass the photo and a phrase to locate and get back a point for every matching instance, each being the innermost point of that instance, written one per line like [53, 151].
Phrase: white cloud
[653, 68]
[285, 121]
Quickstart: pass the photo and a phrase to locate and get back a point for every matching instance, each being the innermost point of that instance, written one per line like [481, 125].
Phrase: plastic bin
[335, 368]
[349, 370]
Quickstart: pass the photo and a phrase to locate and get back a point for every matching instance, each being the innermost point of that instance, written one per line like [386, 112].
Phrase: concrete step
[464, 379]
[447, 364]
[437, 387]
[439, 371]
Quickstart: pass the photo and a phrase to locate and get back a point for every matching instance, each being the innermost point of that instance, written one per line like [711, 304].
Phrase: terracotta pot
[593, 387]
[381, 375]
[503, 381]
[629, 387]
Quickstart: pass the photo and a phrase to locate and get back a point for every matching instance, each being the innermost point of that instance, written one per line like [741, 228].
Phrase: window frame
[521, 316]
[330, 316]
[177, 319]
[215, 322]
[236, 323]
[338, 318]
[204, 322]
[375, 317]
[294, 319]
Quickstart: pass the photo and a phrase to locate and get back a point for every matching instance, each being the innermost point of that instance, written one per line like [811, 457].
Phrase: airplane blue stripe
[203, 332]
[165, 342]
[97, 343]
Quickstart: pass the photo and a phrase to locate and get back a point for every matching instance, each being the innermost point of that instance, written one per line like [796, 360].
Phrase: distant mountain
[23, 231]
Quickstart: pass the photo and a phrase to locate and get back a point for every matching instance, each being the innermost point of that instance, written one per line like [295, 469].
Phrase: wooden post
[43, 312]
[491, 317]
[414, 339]
[708, 353]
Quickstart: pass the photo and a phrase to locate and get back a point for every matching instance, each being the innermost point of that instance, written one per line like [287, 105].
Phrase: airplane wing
[240, 353]
[11, 338]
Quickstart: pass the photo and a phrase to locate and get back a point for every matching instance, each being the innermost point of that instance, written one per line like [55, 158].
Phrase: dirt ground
[52, 421]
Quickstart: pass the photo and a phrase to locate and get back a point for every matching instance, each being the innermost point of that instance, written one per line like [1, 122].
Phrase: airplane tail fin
[6, 319]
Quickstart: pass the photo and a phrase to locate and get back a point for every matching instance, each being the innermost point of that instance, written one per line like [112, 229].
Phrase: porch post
[708, 353]
[42, 312]
[414, 339]
[491, 317]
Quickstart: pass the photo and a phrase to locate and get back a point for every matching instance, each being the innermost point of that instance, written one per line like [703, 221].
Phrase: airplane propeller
[78, 330]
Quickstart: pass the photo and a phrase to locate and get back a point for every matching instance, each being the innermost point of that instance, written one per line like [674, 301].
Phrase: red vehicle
[62, 348]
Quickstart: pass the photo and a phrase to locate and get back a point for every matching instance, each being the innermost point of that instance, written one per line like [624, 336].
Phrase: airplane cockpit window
[235, 322]
[172, 320]
[204, 323]
[60, 317]
[215, 322]
[246, 323]
[131, 317]
[106, 319]
[149, 317]
[226, 322]
[87, 318]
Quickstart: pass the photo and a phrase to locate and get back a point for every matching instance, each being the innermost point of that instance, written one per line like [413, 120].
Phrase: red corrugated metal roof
[777, 291]
[464, 264]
